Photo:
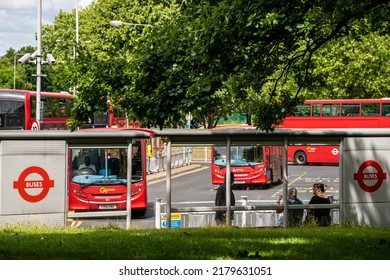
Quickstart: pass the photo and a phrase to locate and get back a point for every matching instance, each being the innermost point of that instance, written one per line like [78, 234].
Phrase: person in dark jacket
[294, 216]
[220, 200]
[320, 216]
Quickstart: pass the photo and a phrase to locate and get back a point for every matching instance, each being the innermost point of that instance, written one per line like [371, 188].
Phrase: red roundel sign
[362, 176]
[22, 185]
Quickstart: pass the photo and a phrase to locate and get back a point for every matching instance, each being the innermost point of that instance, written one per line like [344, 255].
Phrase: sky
[19, 20]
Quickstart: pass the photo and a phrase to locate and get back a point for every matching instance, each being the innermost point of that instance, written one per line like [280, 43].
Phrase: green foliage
[216, 58]
[13, 72]
[351, 68]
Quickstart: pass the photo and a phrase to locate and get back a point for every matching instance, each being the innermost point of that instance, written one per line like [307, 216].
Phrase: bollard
[153, 165]
[157, 213]
[244, 213]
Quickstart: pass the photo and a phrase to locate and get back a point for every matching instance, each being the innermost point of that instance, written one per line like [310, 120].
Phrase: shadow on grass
[305, 243]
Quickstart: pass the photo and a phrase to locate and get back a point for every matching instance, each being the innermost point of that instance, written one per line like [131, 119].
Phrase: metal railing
[247, 213]
[180, 157]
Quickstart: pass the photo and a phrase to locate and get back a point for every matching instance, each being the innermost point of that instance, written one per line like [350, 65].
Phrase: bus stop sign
[22, 185]
[362, 176]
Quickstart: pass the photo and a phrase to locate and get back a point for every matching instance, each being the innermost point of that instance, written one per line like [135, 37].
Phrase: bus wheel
[300, 158]
[138, 213]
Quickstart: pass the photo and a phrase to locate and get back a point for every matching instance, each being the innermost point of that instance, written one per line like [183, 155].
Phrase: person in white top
[87, 164]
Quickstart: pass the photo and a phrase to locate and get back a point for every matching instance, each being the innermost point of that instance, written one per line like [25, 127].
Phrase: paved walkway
[162, 174]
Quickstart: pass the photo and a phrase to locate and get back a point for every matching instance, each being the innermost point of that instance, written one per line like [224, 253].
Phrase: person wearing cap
[320, 216]
[294, 216]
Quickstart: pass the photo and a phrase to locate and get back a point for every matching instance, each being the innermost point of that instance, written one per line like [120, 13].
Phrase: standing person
[220, 200]
[294, 216]
[320, 216]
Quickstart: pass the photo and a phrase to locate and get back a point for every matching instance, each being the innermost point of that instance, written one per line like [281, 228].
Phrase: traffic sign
[175, 220]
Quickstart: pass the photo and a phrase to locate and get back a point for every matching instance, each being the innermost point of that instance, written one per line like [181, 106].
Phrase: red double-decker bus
[340, 113]
[18, 110]
[253, 165]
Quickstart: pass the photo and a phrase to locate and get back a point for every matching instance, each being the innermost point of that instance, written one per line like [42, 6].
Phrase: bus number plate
[107, 206]
[239, 182]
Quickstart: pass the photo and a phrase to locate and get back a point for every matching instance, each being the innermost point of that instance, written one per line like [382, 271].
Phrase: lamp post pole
[16, 54]
[39, 64]
[77, 30]
[77, 41]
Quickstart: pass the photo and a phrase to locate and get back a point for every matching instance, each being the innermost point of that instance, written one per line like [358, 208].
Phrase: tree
[101, 70]
[203, 55]
[23, 72]
[351, 68]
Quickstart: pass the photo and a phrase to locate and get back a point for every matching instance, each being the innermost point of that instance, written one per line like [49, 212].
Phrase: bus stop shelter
[364, 184]
[364, 165]
[34, 168]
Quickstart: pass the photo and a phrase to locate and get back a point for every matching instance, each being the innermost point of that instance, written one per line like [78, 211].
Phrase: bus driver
[87, 164]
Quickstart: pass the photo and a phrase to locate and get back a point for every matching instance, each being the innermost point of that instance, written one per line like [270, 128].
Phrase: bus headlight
[79, 193]
[136, 191]
[260, 170]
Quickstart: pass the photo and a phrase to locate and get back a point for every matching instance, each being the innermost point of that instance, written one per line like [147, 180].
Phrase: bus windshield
[105, 166]
[239, 155]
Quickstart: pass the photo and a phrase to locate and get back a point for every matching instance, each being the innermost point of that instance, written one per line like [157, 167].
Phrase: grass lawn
[304, 243]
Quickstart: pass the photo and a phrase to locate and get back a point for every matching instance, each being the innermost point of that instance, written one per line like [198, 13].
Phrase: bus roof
[22, 92]
[108, 136]
[346, 100]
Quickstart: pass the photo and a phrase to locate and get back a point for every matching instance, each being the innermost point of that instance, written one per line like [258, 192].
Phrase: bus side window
[316, 109]
[386, 109]
[302, 110]
[370, 109]
[350, 110]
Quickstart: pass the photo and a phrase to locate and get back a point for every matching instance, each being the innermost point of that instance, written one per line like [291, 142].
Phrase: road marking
[179, 175]
[298, 178]
[75, 224]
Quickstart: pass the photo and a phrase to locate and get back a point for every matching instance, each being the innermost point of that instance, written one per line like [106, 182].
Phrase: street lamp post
[37, 55]
[15, 55]
[77, 29]
[39, 61]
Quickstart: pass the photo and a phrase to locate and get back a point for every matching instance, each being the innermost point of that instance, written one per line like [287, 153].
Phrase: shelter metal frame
[245, 136]
[89, 138]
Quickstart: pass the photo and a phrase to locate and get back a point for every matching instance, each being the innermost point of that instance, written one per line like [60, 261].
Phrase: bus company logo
[377, 176]
[22, 185]
[311, 149]
[238, 169]
[105, 190]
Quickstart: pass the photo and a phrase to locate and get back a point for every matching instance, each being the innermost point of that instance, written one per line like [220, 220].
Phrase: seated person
[320, 216]
[87, 164]
[294, 216]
